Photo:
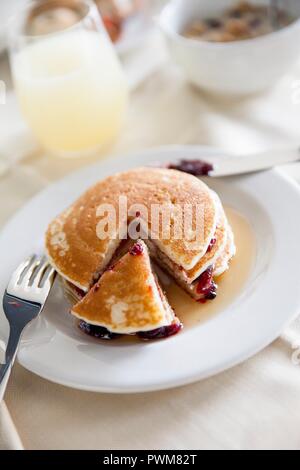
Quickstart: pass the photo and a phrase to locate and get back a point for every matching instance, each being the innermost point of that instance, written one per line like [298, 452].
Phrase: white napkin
[292, 336]
[9, 438]
[16, 142]
[141, 63]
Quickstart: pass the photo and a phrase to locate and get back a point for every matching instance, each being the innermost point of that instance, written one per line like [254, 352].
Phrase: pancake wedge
[127, 299]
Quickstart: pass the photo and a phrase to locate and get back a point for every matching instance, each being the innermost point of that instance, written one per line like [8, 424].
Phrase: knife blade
[229, 166]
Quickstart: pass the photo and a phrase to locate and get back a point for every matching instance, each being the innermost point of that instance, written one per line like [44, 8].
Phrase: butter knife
[226, 165]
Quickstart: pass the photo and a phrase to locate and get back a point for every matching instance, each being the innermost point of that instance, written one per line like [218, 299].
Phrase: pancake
[127, 299]
[213, 271]
[222, 263]
[211, 256]
[80, 256]
[73, 248]
[215, 262]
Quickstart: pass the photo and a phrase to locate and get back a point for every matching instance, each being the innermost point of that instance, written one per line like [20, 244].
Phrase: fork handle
[5, 371]
[10, 355]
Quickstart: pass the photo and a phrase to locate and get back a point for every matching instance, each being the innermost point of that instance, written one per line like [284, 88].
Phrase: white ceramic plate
[56, 350]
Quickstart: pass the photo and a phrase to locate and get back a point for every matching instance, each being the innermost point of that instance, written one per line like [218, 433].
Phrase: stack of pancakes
[82, 258]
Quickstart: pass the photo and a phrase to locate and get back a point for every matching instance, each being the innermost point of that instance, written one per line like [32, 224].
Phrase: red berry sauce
[136, 250]
[160, 333]
[98, 332]
[193, 167]
[212, 243]
[206, 286]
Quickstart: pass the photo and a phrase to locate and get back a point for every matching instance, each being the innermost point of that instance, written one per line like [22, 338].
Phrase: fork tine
[30, 271]
[19, 271]
[40, 272]
[49, 279]
[32, 287]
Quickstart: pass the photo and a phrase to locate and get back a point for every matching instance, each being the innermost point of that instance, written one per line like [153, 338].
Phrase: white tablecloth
[254, 405]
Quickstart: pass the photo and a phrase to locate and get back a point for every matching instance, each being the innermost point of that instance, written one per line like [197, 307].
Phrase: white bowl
[239, 67]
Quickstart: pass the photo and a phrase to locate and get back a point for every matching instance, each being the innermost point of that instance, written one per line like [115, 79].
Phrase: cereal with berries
[243, 21]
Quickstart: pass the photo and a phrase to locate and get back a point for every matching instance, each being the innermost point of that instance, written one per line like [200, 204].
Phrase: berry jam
[98, 332]
[212, 293]
[205, 281]
[206, 285]
[136, 250]
[213, 241]
[193, 167]
[160, 333]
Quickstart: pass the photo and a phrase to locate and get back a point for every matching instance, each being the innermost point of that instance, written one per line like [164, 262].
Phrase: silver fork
[23, 301]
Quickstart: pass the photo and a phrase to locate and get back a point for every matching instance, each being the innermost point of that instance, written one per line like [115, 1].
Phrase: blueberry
[98, 332]
[213, 23]
[159, 333]
[237, 14]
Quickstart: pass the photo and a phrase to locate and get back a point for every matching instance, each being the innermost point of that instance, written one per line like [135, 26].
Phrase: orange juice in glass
[69, 82]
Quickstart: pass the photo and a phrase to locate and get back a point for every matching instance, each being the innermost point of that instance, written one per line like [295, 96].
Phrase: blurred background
[95, 79]
[131, 31]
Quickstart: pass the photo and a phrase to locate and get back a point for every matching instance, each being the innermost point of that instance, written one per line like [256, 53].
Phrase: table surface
[254, 405]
